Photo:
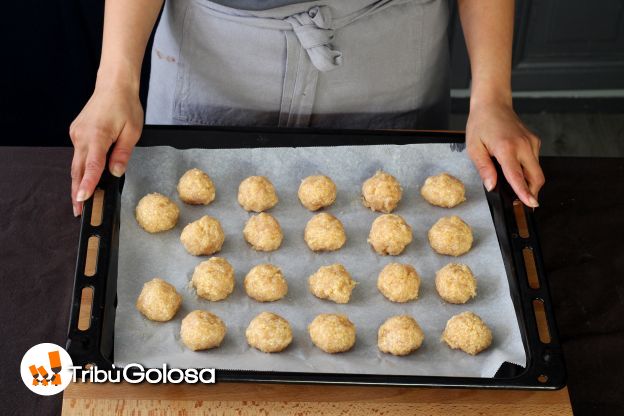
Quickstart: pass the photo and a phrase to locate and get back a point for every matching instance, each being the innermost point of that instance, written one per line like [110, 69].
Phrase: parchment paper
[143, 256]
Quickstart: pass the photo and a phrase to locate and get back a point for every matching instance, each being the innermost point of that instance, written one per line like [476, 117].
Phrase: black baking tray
[545, 368]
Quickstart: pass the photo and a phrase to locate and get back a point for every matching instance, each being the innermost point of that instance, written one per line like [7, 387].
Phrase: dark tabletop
[581, 223]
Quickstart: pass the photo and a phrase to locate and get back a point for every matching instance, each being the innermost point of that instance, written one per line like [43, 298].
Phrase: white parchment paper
[143, 256]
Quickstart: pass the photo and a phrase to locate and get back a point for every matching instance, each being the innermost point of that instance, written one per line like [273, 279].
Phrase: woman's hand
[496, 130]
[112, 116]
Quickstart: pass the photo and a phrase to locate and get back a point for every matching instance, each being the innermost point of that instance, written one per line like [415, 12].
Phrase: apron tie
[313, 30]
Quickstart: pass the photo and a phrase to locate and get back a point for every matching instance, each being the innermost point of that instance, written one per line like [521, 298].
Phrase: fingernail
[117, 170]
[533, 202]
[81, 196]
[489, 184]
[76, 212]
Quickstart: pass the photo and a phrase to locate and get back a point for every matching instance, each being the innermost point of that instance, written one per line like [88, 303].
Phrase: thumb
[483, 162]
[122, 150]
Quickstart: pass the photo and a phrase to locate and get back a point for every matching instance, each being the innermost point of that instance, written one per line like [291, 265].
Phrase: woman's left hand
[495, 130]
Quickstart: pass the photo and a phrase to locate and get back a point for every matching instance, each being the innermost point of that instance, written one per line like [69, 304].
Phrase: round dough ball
[324, 232]
[263, 232]
[332, 333]
[158, 300]
[316, 192]
[468, 332]
[269, 332]
[257, 193]
[195, 187]
[443, 190]
[203, 237]
[155, 213]
[381, 192]
[332, 282]
[202, 330]
[213, 279]
[450, 236]
[399, 282]
[455, 283]
[265, 283]
[390, 234]
[400, 335]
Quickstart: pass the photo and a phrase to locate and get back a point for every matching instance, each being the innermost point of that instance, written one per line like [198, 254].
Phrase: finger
[533, 173]
[122, 150]
[515, 176]
[483, 162]
[93, 168]
[77, 170]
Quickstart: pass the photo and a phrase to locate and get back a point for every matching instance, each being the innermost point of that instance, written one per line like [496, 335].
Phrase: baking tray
[92, 344]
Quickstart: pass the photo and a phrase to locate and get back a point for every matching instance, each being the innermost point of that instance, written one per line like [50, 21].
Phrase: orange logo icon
[55, 366]
[45, 369]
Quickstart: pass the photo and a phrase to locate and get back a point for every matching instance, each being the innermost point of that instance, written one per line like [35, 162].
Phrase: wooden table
[303, 400]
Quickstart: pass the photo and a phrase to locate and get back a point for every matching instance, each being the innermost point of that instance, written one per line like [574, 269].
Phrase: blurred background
[568, 71]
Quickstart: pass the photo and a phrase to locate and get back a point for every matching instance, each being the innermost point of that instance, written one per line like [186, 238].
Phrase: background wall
[50, 60]
[562, 48]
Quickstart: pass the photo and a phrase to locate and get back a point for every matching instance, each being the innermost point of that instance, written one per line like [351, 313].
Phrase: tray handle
[549, 368]
[94, 298]
[545, 362]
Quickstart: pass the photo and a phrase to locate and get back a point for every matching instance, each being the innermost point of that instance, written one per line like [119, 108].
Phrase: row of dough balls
[381, 192]
[213, 280]
[332, 333]
[390, 234]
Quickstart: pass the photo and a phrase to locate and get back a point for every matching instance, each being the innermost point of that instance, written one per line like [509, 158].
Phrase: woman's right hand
[113, 116]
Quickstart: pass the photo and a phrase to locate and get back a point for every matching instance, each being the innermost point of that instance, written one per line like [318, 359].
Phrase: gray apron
[332, 64]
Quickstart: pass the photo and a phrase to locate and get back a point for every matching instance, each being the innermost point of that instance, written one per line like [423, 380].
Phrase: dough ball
[203, 237]
[324, 232]
[332, 282]
[382, 192]
[265, 283]
[450, 236]
[467, 332]
[263, 232]
[155, 213]
[399, 282]
[390, 234]
[332, 332]
[195, 187]
[316, 192]
[269, 332]
[400, 335]
[158, 300]
[443, 190]
[256, 193]
[202, 330]
[455, 283]
[213, 279]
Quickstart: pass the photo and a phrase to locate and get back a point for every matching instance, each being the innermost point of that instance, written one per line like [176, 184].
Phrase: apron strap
[314, 28]
[299, 86]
